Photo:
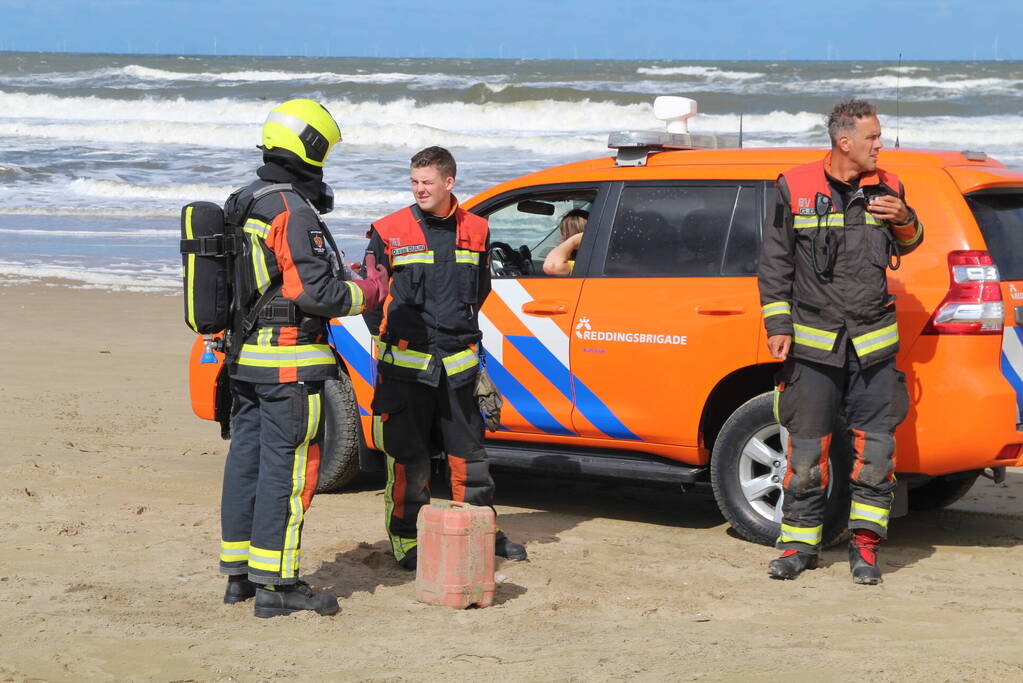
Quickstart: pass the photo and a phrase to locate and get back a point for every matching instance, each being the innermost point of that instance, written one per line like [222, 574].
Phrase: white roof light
[675, 111]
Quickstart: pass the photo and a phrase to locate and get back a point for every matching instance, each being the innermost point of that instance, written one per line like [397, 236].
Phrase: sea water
[98, 152]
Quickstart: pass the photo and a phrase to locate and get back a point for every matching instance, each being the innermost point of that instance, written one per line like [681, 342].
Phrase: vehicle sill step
[595, 464]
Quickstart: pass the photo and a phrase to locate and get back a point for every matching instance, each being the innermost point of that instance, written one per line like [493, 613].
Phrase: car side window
[681, 230]
[525, 230]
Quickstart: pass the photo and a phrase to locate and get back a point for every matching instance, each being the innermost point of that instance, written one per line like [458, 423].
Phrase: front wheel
[748, 467]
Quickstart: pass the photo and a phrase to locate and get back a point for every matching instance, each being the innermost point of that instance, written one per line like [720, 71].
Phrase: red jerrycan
[455, 566]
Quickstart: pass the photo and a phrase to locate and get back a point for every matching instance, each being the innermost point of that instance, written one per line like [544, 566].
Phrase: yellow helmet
[303, 127]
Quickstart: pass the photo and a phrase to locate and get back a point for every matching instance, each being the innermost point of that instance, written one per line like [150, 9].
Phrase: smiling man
[839, 224]
[427, 333]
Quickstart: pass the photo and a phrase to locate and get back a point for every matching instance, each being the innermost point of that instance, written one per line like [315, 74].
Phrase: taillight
[973, 304]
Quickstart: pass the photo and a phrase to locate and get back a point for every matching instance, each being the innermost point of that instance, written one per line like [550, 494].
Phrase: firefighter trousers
[269, 478]
[412, 422]
[809, 398]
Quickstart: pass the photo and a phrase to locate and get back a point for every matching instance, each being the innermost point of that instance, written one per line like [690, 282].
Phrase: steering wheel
[507, 262]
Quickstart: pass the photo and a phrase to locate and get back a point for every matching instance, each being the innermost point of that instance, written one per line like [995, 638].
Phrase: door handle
[544, 307]
[723, 310]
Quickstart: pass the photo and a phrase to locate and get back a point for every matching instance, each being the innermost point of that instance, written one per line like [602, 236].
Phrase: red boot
[863, 557]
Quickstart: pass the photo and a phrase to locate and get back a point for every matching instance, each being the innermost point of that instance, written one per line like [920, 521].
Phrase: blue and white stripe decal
[1012, 364]
[353, 342]
[524, 401]
[548, 351]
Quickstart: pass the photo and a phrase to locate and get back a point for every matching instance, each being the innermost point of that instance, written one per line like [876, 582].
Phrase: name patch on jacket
[408, 250]
[317, 242]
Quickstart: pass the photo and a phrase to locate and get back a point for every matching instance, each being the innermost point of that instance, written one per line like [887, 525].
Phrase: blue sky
[585, 29]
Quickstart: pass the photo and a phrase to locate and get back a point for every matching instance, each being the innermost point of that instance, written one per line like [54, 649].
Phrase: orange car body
[654, 365]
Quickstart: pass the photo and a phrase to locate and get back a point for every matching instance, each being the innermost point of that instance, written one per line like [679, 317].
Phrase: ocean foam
[141, 281]
[708, 72]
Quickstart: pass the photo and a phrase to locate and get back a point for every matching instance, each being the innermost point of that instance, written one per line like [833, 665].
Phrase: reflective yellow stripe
[798, 534]
[264, 336]
[234, 551]
[869, 513]
[296, 512]
[190, 271]
[915, 237]
[465, 256]
[418, 257]
[358, 299]
[777, 308]
[876, 340]
[257, 227]
[460, 362]
[300, 356]
[811, 336]
[378, 432]
[267, 560]
[831, 220]
[777, 398]
[403, 358]
[259, 268]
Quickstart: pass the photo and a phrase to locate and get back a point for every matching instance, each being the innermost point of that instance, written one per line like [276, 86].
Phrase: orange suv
[649, 362]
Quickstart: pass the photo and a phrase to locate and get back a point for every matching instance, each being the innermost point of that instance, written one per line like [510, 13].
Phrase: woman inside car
[561, 259]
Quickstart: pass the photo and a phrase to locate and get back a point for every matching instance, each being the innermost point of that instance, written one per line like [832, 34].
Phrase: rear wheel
[339, 453]
[940, 492]
[748, 467]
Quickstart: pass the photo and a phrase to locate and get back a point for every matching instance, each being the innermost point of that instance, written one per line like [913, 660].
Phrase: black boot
[863, 557]
[275, 601]
[239, 589]
[791, 564]
[509, 549]
[411, 559]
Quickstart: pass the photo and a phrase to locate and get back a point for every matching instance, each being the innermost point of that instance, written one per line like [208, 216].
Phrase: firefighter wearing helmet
[288, 282]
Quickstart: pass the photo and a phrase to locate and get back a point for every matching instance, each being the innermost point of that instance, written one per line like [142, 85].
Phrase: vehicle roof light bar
[634, 146]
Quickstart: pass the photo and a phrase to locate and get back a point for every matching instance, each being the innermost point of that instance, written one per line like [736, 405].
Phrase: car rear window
[683, 230]
[1000, 217]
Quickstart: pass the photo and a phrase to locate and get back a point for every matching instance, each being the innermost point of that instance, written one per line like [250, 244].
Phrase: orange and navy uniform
[277, 378]
[823, 280]
[426, 338]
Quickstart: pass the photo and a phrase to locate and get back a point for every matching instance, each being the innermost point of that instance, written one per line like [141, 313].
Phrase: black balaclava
[282, 166]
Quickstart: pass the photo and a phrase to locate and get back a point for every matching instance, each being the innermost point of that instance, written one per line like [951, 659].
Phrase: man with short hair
[839, 224]
[426, 337]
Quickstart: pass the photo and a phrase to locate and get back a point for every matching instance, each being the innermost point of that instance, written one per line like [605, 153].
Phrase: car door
[527, 319]
[670, 308]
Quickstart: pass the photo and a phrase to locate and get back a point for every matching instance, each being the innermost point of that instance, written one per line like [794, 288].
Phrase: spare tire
[748, 466]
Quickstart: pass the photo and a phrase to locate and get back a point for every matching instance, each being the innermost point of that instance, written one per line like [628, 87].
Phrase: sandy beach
[109, 516]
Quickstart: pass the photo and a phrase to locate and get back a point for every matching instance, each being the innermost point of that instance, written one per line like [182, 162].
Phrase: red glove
[374, 284]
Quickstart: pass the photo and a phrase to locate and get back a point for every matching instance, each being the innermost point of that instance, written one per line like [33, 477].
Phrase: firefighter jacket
[285, 249]
[823, 266]
[438, 280]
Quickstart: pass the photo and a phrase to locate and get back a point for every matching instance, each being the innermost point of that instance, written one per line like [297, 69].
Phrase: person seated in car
[561, 259]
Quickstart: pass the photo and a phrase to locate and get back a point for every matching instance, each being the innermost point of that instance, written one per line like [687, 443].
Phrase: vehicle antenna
[740, 130]
[898, 82]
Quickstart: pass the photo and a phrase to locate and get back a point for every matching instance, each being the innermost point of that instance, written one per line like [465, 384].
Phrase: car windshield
[1000, 216]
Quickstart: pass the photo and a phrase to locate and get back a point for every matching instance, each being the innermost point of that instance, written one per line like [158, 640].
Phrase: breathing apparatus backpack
[217, 306]
[207, 243]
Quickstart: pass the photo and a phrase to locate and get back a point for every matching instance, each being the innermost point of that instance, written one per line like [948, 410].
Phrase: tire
[342, 435]
[748, 453]
[940, 492]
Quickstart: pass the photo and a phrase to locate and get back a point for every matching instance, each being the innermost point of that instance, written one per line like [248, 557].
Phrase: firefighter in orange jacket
[427, 335]
[839, 225]
[288, 283]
